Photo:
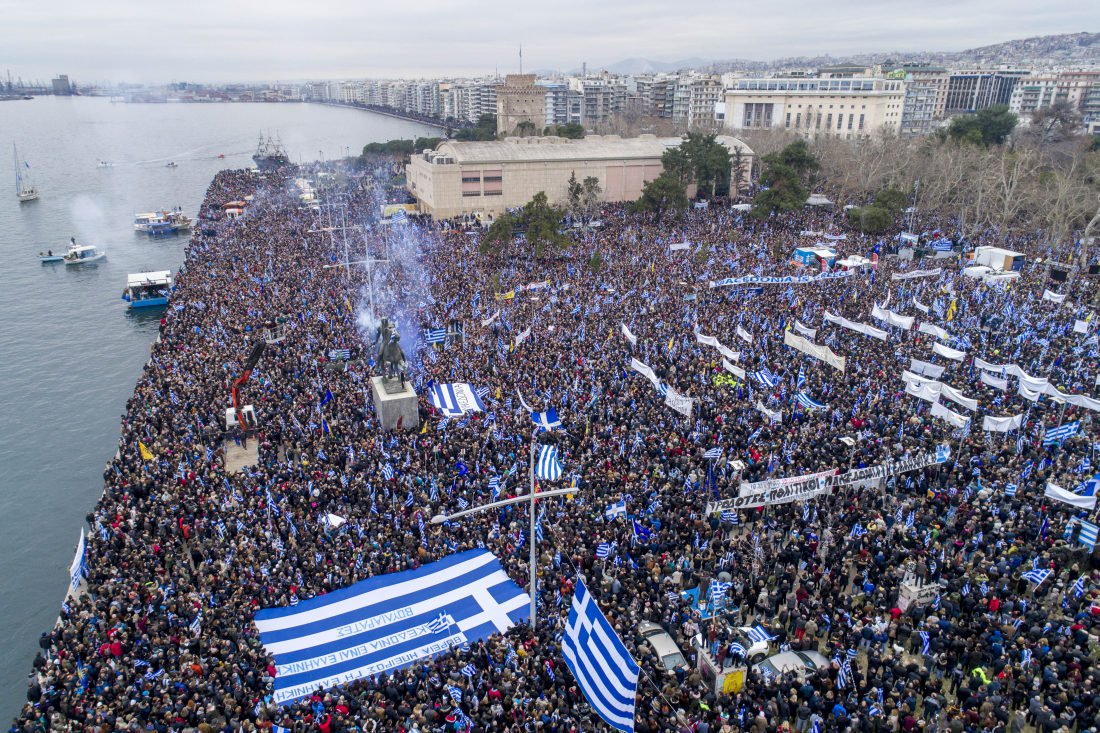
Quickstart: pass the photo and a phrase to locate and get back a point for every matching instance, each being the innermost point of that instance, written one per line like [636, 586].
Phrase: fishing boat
[171, 164]
[104, 164]
[84, 254]
[49, 256]
[179, 221]
[24, 188]
[147, 289]
[156, 223]
[144, 222]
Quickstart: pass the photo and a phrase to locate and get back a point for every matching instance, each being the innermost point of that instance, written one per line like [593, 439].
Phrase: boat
[147, 289]
[221, 156]
[171, 164]
[144, 222]
[162, 222]
[270, 154]
[83, 254]
[49, 256]
[179, 221]
[24, 187]
[104, 164]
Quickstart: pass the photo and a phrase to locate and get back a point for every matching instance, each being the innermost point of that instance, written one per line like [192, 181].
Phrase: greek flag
[546, 420]
[1038, 576]
[925, 642]
[738, 650]
[858, 531]
[801, 377]
[388, 622]
[196, 624]
[943, 244]
[713, 454]
[494, 486]
[1079, 587]
[399, 217]
[469, 670]
[435, 335]
[1060, 433]
[616, 509]
[1088, 534]
[455, 399]
[548, 468]
[765, 378]
[595, 655]
[758, 634]
[730, 516]
[805, 401]
[344, 354]
[1010, 490]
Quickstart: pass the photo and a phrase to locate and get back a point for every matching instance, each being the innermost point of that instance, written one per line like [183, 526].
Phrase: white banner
[723, 350]
[894, 319]
[1002, 424]
[523, 336]
[1053, 297]
[773, 415]
[947, 352]
[757, 488]
[1028, 394]
[954, 418]
[744, 335]
[805, 330]
[916, 273]
[1036, 384]
[824, 353]
[959, 398]
[629, 336]
[784, 280]
[734, 370]
[1001, 384]
[858, 327]
[920, 306]
[679, 246]
[489, 321]
[1080, 326]
[76, 570]
[925, 368]
[679, 402]
[1079, 400]
[1057, 493]
[645, 371]
[936, 331]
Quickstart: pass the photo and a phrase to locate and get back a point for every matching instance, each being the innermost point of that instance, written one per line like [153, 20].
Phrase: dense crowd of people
[182, 552]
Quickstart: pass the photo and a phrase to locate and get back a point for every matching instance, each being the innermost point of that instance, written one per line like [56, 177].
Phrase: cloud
[250, 40]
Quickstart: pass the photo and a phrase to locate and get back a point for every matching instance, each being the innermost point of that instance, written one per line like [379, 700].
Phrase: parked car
[754, 651]
[663, 645]
[803, 664]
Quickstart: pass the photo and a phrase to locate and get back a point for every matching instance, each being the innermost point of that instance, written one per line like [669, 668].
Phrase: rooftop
[593, 147]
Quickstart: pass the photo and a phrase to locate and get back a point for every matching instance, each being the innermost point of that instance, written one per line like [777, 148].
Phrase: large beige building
[520, 100]
[460, 178]
[842, 107]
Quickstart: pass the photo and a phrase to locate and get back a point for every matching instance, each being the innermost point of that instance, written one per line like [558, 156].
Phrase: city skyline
[254, 42]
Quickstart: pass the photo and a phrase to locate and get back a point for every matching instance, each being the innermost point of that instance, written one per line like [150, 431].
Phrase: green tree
[664, 193]
[710, 162]
[574, 190]
[570, 130]
[987, 127]
[872, 219]
[526, 128]
[595, 262]
[892, 200]
[590, 197]
[485, 129]
[787, 176]
[677, 164]
[426, 143]
[538, 221]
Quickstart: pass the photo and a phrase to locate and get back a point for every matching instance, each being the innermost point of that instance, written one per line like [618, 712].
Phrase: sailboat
[24, 187]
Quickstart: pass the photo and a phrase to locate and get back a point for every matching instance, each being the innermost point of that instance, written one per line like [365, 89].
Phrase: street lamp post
[532, 570]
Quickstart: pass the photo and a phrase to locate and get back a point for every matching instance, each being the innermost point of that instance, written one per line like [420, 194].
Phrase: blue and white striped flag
[1060, 433]
[758, 634]
[595, 655]
[346, 635]
[1010, 489]
[399, 217]
[1079, 587]
[713, 454]
[925, 642]
[1037, 576]
[738, 650]
[455, 399]
[548, 468]
[603, 550]
[766, 378]
[805, 400]
[435, 335]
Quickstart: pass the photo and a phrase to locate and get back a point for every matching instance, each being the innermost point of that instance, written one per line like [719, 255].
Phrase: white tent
[818, 199]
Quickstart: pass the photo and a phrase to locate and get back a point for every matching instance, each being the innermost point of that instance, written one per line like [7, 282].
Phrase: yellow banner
[145, 452]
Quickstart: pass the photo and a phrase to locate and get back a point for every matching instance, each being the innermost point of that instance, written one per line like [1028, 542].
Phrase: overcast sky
[255, 40]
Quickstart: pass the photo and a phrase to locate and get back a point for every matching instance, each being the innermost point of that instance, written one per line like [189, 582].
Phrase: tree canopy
[664, 193]
[485, 129]
[539, 221]
[986, 127]
[787, 176]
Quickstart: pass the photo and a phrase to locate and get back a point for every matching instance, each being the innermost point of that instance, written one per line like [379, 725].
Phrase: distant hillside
[1067, 49]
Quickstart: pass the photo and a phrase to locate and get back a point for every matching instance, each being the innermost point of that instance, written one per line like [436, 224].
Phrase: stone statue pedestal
[396, 408]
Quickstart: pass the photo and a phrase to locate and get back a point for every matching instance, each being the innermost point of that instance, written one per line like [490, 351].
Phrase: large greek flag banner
[454, 400]
[388, 622]
[606, 674]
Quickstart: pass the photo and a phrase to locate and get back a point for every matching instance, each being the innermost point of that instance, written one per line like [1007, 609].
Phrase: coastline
[395, 115]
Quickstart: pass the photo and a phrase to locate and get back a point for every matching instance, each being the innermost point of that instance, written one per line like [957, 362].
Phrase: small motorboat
[146, 289]
[171, 164]
[104, 164]
[49, 256]
[221, 156]
[83, 254]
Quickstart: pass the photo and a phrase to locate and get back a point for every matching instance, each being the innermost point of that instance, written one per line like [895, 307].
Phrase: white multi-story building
[842, 107]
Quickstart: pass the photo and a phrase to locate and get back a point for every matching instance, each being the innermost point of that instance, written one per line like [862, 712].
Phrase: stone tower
[519, 99]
